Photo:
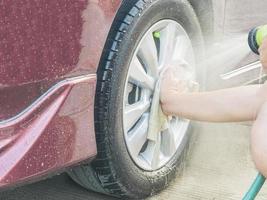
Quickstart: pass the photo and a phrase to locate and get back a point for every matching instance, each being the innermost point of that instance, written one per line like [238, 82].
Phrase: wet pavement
[219, 165]
[60, 187]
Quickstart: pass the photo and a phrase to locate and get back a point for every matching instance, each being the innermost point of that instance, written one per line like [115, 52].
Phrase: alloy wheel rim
[164, 43]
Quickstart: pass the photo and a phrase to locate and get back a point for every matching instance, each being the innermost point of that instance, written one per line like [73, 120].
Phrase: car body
[49, 53]
[49, 56]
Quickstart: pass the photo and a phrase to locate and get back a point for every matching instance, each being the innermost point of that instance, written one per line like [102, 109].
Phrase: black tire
[113, 171]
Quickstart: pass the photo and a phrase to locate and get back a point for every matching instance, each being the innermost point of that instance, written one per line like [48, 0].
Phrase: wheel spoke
[138, 75]
[155, 156]
[169, 142]
[138, 136]
[152, 153]
[134, 112]
[181, 48]
[167, 42]
[148, 54]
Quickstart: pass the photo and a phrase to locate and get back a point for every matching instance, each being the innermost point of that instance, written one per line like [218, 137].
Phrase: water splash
[228, 52]
[226, 56]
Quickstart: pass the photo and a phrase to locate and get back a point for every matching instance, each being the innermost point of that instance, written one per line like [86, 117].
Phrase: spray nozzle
[256, 37]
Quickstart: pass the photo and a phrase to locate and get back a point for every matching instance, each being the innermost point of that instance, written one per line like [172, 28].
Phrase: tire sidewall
[133, 178]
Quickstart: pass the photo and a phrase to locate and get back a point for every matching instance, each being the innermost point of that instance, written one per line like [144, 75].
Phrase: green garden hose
[255, 187]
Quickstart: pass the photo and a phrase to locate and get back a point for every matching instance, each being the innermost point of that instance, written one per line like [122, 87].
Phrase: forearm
[228, 105]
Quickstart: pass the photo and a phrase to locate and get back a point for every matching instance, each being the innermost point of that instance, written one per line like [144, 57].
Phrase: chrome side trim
[241, 70]
[26, 112]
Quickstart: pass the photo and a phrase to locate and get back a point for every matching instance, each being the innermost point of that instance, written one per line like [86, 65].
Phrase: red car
[76, 83]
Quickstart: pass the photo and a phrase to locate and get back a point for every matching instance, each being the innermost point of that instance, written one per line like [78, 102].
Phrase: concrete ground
[218, 167]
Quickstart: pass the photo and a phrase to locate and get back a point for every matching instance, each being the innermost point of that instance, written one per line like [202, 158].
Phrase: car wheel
[144, 37]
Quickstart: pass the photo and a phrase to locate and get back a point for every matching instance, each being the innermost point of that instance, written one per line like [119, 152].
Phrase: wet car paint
[49, 53]
[43, 42]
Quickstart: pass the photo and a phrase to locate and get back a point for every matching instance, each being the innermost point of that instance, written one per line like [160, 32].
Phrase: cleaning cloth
[158, 121]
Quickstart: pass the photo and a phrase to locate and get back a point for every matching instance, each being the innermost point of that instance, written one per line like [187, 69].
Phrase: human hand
[176, 80]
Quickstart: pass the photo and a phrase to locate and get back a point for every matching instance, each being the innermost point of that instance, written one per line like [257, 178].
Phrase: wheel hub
[165, 43]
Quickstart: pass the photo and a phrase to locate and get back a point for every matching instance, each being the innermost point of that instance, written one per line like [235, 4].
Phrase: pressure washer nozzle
[255, 38]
